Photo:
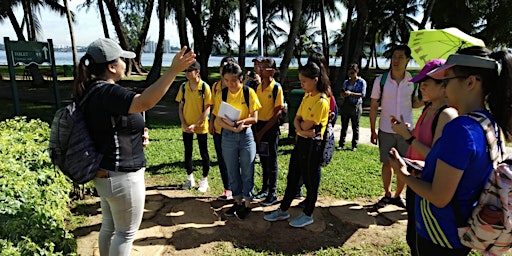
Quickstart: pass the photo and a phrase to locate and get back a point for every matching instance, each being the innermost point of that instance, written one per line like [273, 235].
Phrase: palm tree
[271, 30]
[31, 24]
[156, 68]
[209, 20]
[398, 20]
[305, 41]
[347, 38]
[243, 33]
[70, 20]
[294, 31]
[321, 9]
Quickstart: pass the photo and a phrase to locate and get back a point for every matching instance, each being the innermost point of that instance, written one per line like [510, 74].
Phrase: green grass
[365, 118]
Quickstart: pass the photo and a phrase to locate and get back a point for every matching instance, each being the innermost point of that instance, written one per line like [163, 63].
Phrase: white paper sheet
[226, 110]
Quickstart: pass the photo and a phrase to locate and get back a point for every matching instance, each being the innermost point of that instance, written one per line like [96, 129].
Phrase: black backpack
[246, 95]
[71, 146]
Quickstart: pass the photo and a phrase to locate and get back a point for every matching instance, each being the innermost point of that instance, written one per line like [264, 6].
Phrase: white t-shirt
[396, 100]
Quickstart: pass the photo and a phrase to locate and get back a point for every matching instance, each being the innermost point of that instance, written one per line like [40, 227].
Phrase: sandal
[399, 201]
[385, 200]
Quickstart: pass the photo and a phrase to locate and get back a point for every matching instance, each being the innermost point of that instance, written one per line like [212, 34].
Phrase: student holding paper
[215, 131]
[238, 146]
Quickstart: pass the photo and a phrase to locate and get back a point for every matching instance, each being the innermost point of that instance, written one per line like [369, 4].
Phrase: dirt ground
[176, 222]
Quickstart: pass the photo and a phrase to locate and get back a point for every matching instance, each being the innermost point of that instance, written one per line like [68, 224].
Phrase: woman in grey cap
[459, 162]
[114, 119]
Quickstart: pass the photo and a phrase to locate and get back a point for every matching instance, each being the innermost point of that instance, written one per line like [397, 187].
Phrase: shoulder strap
[383, 79]
[247, 97]
[490, 136]
[88, 93]
[183, 91]
[433, 128]
[225, 94]
[274, 91]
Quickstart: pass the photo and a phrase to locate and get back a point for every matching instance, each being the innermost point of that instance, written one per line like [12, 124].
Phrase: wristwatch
[409, 140]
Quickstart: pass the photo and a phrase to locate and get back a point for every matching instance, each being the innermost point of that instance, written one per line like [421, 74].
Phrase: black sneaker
[231, 211]
[242, 212]
[270, 200]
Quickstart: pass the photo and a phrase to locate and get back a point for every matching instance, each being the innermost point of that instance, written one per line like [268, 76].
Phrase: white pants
[122, 204]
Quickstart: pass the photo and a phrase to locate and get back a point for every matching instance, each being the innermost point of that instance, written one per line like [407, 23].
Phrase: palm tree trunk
[362, 18]
[294, 29]
[346, 52]
[143, 34]
[181, 21]
[243, 33]
[16, 25]
[103, 18]
[427, 13]
[325, 36]
[121, 34]
[72, 36]
[154, 73]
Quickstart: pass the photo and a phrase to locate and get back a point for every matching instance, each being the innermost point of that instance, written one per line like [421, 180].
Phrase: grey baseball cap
[104, 50]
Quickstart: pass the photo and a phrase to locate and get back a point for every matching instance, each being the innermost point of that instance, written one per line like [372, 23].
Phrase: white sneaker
[203, 185]
[189, 184]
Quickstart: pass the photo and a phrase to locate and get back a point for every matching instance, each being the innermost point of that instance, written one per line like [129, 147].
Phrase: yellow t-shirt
[216, 89]
[316, 109]
[237, 100]
[267, 101]
[193, 107]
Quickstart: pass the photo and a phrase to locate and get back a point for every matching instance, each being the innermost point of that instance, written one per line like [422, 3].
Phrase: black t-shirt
[122, 145]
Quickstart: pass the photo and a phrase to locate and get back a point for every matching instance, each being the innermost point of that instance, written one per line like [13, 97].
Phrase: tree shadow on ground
[179, 221]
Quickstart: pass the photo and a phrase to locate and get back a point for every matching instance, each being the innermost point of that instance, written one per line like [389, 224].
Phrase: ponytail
[86, 69]
[499, 95]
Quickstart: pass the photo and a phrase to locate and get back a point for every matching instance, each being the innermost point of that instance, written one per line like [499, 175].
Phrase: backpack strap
[245, 91]
[183, 91]
[493, 147]
[433, 128]
[383, 79]
[88, 93]
[274, 91]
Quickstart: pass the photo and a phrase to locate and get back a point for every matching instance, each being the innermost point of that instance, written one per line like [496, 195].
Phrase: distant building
[150, 46]
[167, 46]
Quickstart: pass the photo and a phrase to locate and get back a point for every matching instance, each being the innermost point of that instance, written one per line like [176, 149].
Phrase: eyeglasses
[445, 81]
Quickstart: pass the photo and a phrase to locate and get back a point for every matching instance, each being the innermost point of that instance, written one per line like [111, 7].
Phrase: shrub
[33, 195]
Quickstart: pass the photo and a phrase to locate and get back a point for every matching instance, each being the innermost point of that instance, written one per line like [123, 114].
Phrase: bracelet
[409, 140]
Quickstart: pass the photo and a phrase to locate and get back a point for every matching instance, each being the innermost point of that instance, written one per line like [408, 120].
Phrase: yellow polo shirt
[216, 89]
[267, 100]
[193, 108]
[237, 100]
[316, 109]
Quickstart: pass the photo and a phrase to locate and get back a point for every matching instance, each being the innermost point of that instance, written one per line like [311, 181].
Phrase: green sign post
[26, 53]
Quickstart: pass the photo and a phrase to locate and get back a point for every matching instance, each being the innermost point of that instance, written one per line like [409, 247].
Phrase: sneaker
[226, 195]
[302, 204]
[203, 185]
[354, 149]
[189, 184]
[260, 195]
[270, 200]
[242, 212]
[301, 221]
[276, 215]
[231, 211]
